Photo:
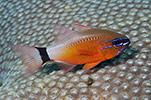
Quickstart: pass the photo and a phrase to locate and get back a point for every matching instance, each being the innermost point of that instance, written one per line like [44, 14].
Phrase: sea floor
[29, 22]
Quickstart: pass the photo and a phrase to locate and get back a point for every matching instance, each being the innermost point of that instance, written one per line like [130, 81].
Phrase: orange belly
[81, 53]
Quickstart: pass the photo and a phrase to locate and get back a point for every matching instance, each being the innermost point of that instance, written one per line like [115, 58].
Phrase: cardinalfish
[87, 45]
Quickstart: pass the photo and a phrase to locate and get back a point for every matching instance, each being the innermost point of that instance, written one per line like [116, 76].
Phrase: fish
[86, 45]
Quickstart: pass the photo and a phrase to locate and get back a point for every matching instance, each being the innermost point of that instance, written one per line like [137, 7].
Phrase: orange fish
[87, 46]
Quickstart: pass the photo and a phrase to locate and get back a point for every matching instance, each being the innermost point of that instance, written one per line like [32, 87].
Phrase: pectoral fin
[79, 27]
[90, 65]
[87, 52]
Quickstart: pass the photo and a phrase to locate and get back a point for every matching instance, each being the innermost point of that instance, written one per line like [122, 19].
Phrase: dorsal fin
[61, 32]
[79, 27]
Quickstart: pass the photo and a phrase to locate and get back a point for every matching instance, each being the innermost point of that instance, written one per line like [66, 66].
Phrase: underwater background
[29, 22]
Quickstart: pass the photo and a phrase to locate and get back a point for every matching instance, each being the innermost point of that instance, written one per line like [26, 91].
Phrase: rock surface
[126, 77]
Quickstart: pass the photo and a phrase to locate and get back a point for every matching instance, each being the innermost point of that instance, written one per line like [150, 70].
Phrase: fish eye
[117, 42]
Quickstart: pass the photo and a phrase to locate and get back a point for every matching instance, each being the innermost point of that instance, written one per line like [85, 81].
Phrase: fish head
[114, 46]
[119, 44]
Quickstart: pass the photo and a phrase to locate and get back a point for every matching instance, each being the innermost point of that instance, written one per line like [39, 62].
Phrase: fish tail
[33, 57]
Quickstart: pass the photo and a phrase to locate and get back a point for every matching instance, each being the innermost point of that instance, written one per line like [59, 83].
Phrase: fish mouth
[126, 41]
[120, 42]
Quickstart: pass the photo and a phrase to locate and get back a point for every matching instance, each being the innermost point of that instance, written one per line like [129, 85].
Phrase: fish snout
[120, 42]
[126, 41]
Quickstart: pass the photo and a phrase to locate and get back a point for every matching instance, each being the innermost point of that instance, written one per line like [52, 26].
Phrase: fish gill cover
[126, 77]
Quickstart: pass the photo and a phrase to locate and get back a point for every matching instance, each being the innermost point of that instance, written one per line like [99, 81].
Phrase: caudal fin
[31, 58]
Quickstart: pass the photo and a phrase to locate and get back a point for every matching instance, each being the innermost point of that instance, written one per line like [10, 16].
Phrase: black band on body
[43, 53]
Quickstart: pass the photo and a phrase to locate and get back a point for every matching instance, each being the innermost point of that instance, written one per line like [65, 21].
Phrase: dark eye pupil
[117, 42]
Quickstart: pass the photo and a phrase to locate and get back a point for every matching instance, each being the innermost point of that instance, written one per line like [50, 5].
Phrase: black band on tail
[43, 54]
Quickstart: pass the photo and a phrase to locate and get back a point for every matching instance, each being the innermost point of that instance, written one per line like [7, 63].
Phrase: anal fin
[65, 66]
[90, 65]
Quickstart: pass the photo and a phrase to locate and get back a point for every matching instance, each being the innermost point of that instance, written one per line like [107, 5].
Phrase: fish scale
[74, 49]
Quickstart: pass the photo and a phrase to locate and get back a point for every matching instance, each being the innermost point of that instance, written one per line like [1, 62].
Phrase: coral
[29, 22]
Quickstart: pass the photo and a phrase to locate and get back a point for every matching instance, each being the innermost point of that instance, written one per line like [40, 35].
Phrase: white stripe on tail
[31, 58]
